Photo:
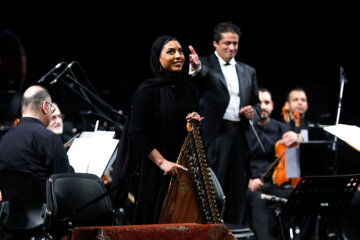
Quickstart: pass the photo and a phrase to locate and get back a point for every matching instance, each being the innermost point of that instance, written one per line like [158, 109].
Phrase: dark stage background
[301, 43]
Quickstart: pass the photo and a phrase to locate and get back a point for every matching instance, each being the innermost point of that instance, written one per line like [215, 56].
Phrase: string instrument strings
[191, 194]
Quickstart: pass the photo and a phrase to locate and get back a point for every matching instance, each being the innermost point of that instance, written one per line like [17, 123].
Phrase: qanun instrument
[191, 194]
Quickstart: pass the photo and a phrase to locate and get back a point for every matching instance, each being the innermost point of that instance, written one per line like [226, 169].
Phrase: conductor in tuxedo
[229, 100]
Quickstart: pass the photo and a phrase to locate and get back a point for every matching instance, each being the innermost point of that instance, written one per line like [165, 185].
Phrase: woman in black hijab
[155, 131]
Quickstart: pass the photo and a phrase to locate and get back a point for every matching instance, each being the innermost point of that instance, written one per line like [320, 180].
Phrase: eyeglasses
[55, 116]
[52, 108]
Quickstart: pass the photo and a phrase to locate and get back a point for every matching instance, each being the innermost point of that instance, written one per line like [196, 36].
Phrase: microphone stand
[343, 80]
[82, 93]
[86, 99]
[106, 105]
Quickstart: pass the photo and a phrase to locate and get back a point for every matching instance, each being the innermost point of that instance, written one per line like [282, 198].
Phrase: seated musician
[296, 102]
[262, 217]
[30, 146]
[57, 124]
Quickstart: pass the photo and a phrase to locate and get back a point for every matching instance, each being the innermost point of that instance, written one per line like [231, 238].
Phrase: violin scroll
[285, 113]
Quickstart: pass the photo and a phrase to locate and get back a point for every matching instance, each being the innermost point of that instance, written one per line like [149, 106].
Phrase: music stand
[316, 158]
[321, 195]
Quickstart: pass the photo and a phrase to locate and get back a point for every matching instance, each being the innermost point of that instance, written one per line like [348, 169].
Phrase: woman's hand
[171, 168]
[194, 116]
[190, 117]
[193, 59]
[166, 166]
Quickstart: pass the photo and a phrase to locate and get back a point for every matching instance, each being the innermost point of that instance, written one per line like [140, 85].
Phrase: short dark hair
[299, 89]
[225, 27]
[262, 89]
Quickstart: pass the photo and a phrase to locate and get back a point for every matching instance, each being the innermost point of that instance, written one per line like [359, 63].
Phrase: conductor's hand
[193, 58]
[247, 112]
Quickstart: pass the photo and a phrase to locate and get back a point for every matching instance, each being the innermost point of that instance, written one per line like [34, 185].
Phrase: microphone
[273, 198]
[62, 73]
[342, 74]
[52, 71]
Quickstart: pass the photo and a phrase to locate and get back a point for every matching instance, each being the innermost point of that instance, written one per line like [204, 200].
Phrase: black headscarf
[155, 53]
[155, 65]
[184, 92]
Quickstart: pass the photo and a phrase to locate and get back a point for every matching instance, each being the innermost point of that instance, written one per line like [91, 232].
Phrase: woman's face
[172, 57]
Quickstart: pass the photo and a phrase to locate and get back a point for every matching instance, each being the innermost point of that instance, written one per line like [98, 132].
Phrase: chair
[73, 200]
[21, 208]
[219, 194]
[240, 232]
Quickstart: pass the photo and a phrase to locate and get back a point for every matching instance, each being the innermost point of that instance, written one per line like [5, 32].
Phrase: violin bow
[256, 135]
[272, 165]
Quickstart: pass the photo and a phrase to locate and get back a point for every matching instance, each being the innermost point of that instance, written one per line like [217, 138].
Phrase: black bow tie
[227, 64]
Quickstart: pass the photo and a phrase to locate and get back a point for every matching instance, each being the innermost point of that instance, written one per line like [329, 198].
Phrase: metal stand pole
[342, 83]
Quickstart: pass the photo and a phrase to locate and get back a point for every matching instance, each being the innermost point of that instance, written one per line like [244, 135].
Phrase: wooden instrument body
[191, 196]
[181, 205]
[279, 174]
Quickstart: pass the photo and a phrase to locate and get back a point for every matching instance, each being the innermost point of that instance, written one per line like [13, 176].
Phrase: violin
[16, 122]
[279, 174]
[106, 179]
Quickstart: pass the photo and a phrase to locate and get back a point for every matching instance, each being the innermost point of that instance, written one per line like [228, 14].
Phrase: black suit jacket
[215, 96]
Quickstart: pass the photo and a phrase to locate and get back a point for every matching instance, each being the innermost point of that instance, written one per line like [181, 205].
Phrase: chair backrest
[219, 194]
[23, 198]
[67, 194]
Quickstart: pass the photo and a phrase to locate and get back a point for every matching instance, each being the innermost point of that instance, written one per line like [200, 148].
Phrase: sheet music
[91, 155]
[292, 160]
[348, 133]
[305, 135]
[97, 134]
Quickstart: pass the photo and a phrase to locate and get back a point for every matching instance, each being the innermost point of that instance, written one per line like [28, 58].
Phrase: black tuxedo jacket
[215, 96]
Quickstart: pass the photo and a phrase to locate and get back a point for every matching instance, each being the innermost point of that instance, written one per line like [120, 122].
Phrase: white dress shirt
[232, 82]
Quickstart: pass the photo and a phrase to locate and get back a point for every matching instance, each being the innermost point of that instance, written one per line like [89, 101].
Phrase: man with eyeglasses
[56, 124]
[30, 146]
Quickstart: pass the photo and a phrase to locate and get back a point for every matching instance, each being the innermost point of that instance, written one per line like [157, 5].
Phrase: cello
[279, 174]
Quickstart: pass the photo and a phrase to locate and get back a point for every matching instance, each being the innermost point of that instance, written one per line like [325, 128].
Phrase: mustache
[57, 125]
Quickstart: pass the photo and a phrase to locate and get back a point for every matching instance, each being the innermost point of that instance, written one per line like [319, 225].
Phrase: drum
[12, 77]
[12, 62]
